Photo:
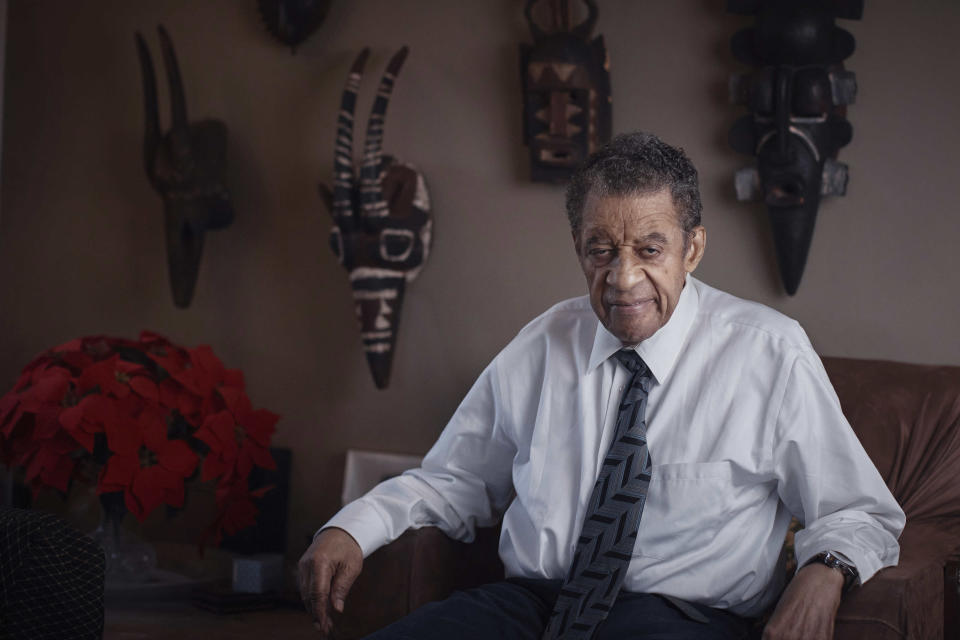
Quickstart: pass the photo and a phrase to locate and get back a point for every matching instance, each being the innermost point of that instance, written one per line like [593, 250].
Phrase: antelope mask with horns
[187, 166]
[382, 224]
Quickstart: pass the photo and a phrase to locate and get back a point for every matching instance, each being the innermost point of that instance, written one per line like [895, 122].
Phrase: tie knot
[633, 362]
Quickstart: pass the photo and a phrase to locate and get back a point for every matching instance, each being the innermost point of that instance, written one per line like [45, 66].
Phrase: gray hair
[634, 164]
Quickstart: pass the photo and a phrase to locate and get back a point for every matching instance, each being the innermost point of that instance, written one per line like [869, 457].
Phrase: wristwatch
[832, 560]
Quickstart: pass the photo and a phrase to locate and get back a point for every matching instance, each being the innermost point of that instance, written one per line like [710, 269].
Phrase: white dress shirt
[744, 430]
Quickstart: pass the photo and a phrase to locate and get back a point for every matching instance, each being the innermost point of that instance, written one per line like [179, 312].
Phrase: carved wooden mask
[798, 99]
[567, 110]
[382, 223]
[292, 21]
[187, 166]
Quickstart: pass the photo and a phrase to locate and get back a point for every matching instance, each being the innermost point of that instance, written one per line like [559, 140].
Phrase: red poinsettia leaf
[231, 397]
[148, 489]
[124, 434]
[260, 425]
[85, 439]
[98, 408]
[178, 458]
[206, 361]
[212, 468]
[71, 417]
[133, 504]
[58, 475]
[103, 374]
[169, 392]
[129, 368]
[52, 387]
[221, 425]
[62, 443]
[46, 423]
[76, 360]
[234, 378]
[244, 463]
[262, 457]
[188, 404]
[151, 337]
[154, 429]
[145, 388]
[206, 436]
[259, 493]
[9, 412]
[36, 465]
[73, 345]
[120, 471]
[174, 497]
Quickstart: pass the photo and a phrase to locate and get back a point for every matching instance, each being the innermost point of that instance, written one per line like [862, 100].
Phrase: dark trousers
[518, 608]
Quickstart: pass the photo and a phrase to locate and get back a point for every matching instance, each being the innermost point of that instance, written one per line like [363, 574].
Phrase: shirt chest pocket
[687, 504]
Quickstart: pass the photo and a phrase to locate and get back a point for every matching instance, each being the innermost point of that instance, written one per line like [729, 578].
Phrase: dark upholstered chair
[908, 419]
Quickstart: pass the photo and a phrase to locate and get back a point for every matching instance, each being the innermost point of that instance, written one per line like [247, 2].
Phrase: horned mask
[567, 110]
[187, 166]
[382, 222]
[798, 99]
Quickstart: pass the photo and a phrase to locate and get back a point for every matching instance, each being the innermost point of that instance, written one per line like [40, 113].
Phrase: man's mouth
[628, 306]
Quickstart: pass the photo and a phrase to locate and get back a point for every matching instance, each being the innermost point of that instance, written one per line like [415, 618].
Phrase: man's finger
[342, 581]
[319, 590]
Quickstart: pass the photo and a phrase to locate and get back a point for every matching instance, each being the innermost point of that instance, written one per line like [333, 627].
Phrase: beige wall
[81, 247]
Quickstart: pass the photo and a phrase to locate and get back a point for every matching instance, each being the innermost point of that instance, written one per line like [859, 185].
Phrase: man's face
[633, 254]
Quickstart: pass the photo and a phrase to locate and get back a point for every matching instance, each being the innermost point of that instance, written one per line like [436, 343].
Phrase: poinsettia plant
[139, 417]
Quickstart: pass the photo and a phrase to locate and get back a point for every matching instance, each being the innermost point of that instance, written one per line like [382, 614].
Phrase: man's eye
[599, 252]
[651, 251]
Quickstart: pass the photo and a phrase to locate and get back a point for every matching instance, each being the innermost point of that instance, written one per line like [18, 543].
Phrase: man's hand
[808, 606]
[326, 572]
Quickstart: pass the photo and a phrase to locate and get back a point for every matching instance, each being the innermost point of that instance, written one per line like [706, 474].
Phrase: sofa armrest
[905, 601]
[420, 566]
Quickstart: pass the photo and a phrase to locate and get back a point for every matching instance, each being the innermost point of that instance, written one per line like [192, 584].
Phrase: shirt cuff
[363, 523]
[866, 562]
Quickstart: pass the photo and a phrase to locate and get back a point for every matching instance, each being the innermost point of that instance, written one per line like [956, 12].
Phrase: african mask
[292, 21]
[187, 166]
[382, 222]
[567, 110]
[798, 99]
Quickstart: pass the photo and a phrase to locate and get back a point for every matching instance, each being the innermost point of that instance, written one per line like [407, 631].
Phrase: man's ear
[576, 241]
[696, 245]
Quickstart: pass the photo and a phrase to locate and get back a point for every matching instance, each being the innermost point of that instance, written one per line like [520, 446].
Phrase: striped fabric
[51, 579]
[613, 516]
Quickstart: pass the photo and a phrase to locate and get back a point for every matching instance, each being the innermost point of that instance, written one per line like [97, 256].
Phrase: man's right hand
[326, 572]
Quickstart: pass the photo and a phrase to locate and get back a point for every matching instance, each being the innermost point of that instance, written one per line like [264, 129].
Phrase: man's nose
[625, 272]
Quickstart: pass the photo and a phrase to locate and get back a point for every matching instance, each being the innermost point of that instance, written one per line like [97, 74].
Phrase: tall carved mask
[292, 21]
[798, 99]
[382, 222]
[187, 166]
[567, 109]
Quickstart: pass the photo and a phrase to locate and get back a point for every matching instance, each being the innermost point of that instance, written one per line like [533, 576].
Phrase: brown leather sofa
[907, 417]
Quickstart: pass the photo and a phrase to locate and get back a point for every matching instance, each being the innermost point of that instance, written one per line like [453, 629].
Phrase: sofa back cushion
[908, 418]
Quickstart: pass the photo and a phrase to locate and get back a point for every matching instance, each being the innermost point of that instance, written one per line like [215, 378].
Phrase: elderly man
[646, 445]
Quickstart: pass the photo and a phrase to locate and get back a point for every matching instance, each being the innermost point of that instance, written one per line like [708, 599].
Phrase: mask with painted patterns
[567, 109]
[382, 222]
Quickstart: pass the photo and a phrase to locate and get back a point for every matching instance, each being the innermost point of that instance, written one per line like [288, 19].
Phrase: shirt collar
[660, 350]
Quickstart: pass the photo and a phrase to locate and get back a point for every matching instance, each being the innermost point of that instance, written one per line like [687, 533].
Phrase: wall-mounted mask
[567, 109]
[382, 223]
[187, 166]
[798, 99]
[292, 21]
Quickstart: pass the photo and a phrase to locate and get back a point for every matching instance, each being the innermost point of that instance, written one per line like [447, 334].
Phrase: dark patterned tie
[612, 518]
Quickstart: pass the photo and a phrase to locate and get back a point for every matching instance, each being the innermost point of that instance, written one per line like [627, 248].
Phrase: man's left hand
[808, 606]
